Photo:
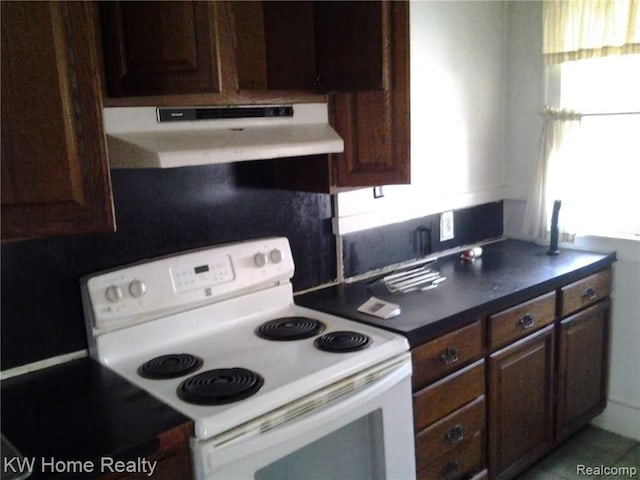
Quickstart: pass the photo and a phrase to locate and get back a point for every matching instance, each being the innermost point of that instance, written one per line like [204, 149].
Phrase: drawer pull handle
[455, 435]
[527, 321]
[450, 471]
[589, 293]
[449, 356]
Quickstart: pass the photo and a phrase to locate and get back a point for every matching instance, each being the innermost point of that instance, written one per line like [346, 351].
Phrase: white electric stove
[216, 335]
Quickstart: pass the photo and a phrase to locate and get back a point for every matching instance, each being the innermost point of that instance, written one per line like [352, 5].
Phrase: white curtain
[577, 29]
[558, 162]
[572, 30]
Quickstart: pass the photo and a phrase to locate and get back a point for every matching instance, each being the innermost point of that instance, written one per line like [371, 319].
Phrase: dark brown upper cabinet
[370, 110]
[55, 176]
[187, 47]
[159, 48]
[353, 54]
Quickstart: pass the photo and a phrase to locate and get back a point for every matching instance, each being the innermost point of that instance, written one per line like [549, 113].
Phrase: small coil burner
[342, 341]
[290, 328]
[220, 386]
[169, 366]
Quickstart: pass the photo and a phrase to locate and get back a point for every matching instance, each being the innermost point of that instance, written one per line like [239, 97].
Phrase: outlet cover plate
[446, 226]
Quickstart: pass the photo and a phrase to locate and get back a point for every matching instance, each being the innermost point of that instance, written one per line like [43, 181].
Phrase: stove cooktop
[185, 328]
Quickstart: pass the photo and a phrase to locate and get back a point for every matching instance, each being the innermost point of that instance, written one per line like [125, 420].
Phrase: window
[602, 177]
[590, 149]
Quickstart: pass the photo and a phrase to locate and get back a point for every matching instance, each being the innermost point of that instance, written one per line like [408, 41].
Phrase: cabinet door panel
[351, 49]
[583, 353]
[585, 292]
[160, 47]
[441, 356]
[520, 403]
[375, 123]
[449, 394]
[55, 177]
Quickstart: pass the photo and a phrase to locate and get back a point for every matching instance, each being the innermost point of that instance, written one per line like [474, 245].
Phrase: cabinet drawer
[449, 394]
[519, 321]
[585, 292]
[441, 356]
[464, 460]
[449, 432]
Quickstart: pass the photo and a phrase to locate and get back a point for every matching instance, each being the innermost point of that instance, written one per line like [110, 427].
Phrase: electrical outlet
[446, 226]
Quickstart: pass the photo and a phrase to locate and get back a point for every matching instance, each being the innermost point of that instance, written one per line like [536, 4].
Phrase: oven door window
[354, 451]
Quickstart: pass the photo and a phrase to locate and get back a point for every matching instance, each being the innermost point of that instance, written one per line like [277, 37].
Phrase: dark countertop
[508, 272]
[81, 410]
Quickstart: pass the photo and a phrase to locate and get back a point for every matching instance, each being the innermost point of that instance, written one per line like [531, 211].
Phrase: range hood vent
[219, 113]
[150, 137]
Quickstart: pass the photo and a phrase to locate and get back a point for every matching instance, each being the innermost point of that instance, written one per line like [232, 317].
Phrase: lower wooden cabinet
[582, 367]
[539, 374]
[521, 403]
[172, 456]
[449, 419]
[461, 462]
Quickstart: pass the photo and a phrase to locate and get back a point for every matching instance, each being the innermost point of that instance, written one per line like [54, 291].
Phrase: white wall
[525, 97]
[458, 67]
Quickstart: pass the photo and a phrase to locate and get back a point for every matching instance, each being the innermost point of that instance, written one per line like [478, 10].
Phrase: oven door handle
[341, 396]
[238, 453]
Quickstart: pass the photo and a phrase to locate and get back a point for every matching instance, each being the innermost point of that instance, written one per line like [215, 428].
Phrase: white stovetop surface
[223, 336]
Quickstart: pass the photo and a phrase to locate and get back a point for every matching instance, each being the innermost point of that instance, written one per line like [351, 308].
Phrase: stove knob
[275, 255]
[113, 293]
[260, 259]
[137, 288]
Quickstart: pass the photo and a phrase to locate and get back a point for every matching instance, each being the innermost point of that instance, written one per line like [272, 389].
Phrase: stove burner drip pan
[342, 342]
[290, 328]
[169, 366]
[220, 386]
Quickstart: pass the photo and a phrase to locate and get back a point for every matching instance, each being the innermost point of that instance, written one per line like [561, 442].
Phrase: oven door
[364, 434]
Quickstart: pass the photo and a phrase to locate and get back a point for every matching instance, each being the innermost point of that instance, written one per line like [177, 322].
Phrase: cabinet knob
[450, 471]
[449, 356]
[455, 435]
[527, 321]
[589, 293]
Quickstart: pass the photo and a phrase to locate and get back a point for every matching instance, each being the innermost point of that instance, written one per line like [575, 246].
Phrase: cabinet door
[375, 123]
[582, 373]
[55, 176]
[520, 403]
[351, 45]
[156, 48]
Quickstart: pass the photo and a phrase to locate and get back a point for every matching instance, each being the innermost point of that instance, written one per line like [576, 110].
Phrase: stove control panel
[154, 287]
[189, 276]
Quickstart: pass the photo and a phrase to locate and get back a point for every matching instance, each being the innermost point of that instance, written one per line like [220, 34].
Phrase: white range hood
[151, 137]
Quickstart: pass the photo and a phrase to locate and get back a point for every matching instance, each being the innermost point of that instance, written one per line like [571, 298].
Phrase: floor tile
[627, 468]
[565, 460]
[538, 474]
[591, 447]
[603, 440]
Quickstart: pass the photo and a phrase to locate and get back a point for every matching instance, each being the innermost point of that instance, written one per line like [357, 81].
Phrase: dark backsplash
[400, 242]
[158, 212]
[161, 212]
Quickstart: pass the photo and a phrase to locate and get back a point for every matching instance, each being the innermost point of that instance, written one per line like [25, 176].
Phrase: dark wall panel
[158, 212]
[400, 242]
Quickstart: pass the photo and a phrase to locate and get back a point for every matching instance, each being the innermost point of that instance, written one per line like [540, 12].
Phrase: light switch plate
[446, 226]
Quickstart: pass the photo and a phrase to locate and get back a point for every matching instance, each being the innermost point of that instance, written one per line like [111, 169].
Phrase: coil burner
[173, 365]
[290, 328]
[220, 386]
[342, 341]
